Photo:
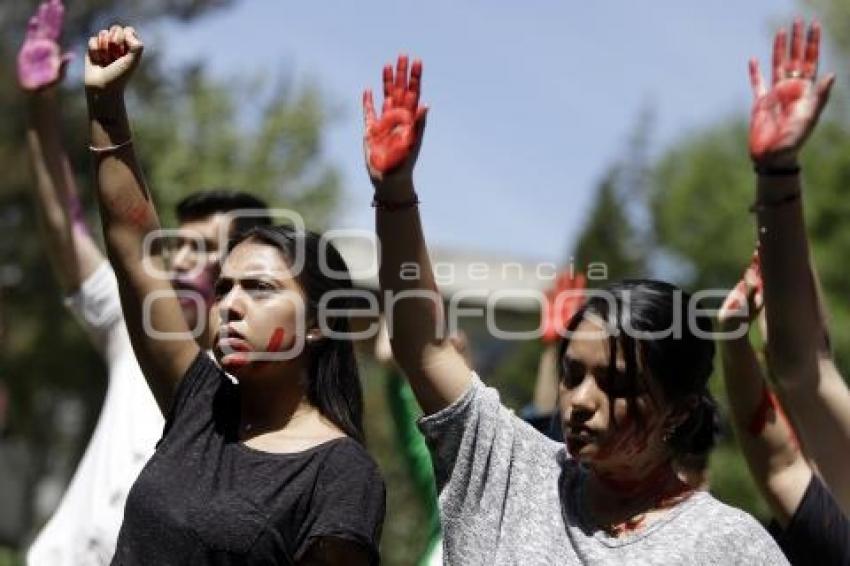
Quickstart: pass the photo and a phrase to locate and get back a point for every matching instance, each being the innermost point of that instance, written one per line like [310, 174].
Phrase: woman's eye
[573, 374]
[260, 288]
[221, 288]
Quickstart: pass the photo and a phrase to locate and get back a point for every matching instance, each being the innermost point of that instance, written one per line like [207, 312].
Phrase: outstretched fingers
[810, 59]
[369, 115]
[388, 87]
[756, 80]
[415, 86]
[794, 64]
[400, 79]
[32, 28]
[53, 17]
[780, 54]
[823, 88]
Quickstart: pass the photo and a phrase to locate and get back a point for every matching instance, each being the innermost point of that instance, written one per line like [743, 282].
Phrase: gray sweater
[509, 495]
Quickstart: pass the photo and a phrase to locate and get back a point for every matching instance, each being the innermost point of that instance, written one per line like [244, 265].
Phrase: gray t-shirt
[509, 495]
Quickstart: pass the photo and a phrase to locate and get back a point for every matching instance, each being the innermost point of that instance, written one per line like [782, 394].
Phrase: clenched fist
[111, 58]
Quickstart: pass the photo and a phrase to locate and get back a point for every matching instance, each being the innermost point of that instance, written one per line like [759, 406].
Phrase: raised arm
[783, 116]
[765, 435]
[149, 303]
[41, 67]
[414, 308]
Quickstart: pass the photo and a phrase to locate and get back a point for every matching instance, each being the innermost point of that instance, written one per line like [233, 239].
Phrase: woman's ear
[314, 335]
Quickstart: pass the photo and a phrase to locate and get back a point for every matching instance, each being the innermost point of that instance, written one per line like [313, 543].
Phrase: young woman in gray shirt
[632, 398]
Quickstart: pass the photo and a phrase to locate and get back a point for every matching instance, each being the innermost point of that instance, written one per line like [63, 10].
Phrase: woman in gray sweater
[633, 374]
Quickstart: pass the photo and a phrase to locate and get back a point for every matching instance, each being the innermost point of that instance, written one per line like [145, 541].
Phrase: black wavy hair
[201, 204]
[681, 362]
[333, 385]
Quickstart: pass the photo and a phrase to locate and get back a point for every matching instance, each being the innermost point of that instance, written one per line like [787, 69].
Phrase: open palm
[784, 115]
[41, 62]
[391, 142]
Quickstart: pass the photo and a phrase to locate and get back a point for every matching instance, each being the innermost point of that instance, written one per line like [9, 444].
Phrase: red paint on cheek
[276, 341]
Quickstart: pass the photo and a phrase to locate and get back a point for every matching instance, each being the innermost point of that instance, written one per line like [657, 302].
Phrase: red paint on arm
[770, 407]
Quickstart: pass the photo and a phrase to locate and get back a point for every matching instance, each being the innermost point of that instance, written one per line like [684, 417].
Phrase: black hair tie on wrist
[392, 206]
[768, 171]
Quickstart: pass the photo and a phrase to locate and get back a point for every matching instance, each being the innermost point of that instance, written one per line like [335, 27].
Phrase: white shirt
[84, 529]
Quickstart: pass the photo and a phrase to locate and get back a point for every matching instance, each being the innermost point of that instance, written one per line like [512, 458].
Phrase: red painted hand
[562, 302]
[391, 143]
[784, 116]
[41, 63]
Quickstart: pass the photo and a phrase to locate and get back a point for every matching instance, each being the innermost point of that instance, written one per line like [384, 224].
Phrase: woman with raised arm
[271, 470]
[783, 116]
[632, 396]
[808, 524]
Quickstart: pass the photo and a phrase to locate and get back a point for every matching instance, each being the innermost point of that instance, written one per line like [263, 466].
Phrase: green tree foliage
[34, 320]
[608, 237]
[615, 234]
[193, 135]
[835, 16]
[699, 194]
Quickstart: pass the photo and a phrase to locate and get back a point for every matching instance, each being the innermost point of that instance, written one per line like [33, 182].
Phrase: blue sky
[530, 101]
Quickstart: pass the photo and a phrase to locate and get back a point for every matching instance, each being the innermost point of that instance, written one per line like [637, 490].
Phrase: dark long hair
[680, 361]
[333, 385]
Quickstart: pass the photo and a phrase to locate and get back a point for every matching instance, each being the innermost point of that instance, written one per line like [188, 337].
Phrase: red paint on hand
[784, 116]
[562, 302]
[392, 139]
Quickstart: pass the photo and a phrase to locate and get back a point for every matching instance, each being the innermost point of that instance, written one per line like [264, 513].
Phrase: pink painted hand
[391, 143]
[41, 63]
[784, 115]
